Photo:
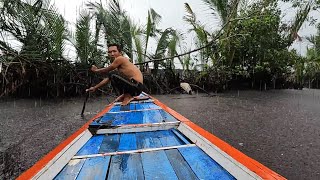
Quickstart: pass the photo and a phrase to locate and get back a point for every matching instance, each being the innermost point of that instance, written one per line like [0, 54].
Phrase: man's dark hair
[117, 45]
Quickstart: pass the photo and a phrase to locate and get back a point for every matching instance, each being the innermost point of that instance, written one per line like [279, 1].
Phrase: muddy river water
[278, 128]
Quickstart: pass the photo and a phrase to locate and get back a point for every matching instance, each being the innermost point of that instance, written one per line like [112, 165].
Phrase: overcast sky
[172, 12]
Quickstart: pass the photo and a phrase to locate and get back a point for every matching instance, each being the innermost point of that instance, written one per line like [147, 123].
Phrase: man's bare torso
[129, 69]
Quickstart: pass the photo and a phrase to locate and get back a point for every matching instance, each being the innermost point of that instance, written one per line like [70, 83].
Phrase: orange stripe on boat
[250, 163]
[31, 172]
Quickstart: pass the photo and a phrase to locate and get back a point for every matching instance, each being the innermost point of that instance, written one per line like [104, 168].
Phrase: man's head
[114, 51]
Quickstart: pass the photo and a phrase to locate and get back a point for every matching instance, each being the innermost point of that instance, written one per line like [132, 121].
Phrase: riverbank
[280, 129]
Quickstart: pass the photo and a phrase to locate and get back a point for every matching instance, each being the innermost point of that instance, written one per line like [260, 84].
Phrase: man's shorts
[124, 85]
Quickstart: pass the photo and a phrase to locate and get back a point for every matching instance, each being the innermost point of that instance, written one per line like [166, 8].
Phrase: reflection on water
[281, 129]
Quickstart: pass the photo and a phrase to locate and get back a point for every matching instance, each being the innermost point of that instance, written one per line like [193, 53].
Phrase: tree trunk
[260, 85]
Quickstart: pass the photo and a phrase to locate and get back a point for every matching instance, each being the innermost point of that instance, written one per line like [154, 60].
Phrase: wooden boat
[145, 140]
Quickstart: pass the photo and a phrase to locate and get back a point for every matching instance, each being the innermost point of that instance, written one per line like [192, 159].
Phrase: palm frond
[153, 20]
[83, 37]
[190, 17]
[219, 6]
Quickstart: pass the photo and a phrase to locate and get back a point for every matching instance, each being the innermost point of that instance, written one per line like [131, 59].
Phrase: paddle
[84, 103]
[87, 96]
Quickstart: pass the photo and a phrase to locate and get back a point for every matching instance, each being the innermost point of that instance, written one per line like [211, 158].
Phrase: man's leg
[120, 98]
[127, 98]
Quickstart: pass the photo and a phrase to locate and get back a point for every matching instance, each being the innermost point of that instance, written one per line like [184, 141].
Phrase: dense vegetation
[251, 50]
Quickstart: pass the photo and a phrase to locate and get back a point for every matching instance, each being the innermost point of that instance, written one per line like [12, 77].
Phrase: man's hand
[91, 89]
[94, 68]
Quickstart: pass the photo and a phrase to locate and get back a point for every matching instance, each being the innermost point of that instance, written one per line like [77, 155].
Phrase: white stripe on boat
[116, 112]
[235, 168]
[135, 101]
[133, 151]
[139, 128]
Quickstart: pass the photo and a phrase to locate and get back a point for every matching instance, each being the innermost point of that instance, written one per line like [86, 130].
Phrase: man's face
[113, 52]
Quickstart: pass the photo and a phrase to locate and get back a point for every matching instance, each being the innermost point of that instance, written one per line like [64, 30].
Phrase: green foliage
[253, 43]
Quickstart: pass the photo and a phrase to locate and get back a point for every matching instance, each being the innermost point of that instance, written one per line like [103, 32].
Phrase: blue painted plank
[151, 116]
[112, 117]
[157, 166]
[125, 108]
[71, 170]
[167, 117]
[92, 146]
[181, 136]
[94, 123]
[132, 106]
[139, 106]
[128, 118]
[108, 118]
[148, 105]
[110, 143]
[147, 140]
[135, 118]
[95, 168]
[168, 138]
[126, 166]
[153, 106]
[203, 165]
[128, 142]
[115, 108]
[145, 105]
[180, 166]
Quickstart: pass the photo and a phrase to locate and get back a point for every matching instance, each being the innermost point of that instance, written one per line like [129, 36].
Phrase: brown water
[280, 129]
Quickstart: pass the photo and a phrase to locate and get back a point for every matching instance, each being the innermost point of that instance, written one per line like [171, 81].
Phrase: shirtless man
[129, 81]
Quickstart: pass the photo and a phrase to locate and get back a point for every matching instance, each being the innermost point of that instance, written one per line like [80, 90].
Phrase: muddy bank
[280, 129]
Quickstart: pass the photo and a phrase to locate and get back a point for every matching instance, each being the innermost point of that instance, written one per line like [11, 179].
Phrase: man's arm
[116, 63]
[94, 88]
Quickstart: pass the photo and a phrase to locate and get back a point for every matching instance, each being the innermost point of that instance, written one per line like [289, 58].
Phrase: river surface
[278, 128]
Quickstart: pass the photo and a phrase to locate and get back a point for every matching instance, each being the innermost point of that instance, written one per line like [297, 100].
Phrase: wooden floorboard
[152, 117]
[180, 166]
[128, 141]
[157, 166]
[71, 170]
[202, 164]
[110, 143]
[148, 140]
[126, 166]
[92, 146]
[168, 138]
[95, 168]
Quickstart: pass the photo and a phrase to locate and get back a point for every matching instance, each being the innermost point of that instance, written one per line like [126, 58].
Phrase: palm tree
[84, 40]
[301, 16]
[151, 28]
[137, 35]
[116, 24]
[202, 36]
[40, 31]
